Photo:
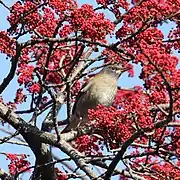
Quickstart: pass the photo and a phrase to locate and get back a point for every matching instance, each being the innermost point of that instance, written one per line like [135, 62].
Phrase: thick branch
[30, 134]
[34, 137]
[5, 176]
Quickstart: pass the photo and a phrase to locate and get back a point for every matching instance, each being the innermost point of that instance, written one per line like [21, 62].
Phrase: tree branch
[120, 154]
[34, 137]
[5, 176]
[12, 71]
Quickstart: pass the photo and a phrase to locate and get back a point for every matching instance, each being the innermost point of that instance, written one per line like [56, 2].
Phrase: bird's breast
[104, 92]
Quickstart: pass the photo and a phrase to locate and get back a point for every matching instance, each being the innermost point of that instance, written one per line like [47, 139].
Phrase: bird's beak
[122, 69]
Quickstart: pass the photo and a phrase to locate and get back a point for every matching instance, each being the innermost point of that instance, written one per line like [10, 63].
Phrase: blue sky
[9, 93]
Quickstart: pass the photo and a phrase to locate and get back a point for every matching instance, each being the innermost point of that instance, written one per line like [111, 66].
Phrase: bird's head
[115, 69]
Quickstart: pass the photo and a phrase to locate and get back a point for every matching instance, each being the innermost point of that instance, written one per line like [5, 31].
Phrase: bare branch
[5, 176]
[12, 71]
[120, 154]
[35, 138]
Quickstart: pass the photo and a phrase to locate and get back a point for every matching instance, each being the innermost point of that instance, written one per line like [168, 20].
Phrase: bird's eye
[113, 68]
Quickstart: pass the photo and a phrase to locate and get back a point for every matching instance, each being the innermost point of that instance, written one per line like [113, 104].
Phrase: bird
[100, 89]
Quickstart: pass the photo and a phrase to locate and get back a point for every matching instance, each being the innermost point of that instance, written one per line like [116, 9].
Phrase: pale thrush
[100, 89]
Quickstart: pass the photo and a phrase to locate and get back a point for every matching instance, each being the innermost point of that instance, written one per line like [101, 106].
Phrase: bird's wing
[81, 93]
[74, 120]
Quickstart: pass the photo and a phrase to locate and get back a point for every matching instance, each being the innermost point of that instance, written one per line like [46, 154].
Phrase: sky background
[9, 93]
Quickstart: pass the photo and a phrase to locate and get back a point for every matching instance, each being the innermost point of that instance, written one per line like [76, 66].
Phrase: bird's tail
[73, 123]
